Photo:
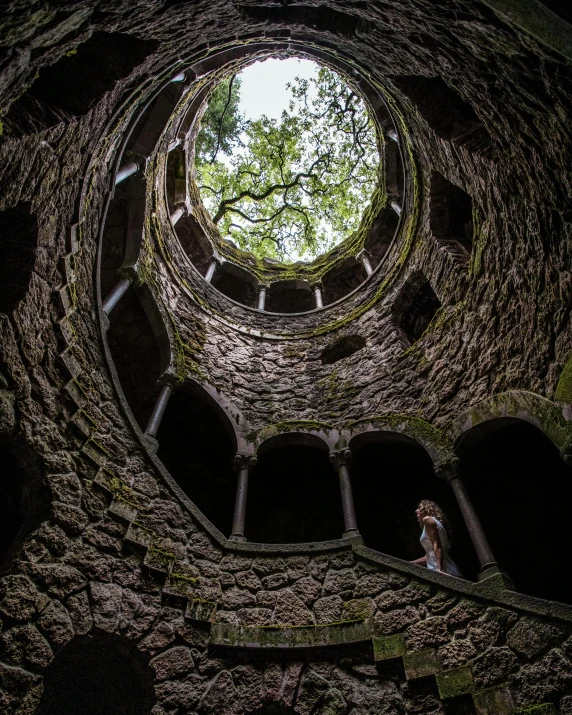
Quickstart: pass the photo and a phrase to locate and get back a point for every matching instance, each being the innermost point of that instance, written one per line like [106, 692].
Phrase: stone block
[455, 682]
[420, 663]
[389, 647]
[541, 709]
[494, 701]
[201, 610]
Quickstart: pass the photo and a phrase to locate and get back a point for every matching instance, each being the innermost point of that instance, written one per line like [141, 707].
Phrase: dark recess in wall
[414, 307]
[97, 675]
[450, 116]
[196, 447]
[342, 279]
[342, 348]
[235, 283]
[24, 498]
[294, 497]
[137, 354]
[19, 236]
[562, 8]
[290, 297]
[76, 82]
[451, 216]
[381, 234]
[522, 491]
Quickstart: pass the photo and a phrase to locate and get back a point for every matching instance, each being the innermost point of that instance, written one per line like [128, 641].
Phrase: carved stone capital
[449, 469]
[243, 461]
[341, 458]
[130, 272]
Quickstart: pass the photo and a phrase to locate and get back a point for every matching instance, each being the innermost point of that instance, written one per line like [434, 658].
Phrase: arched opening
[24, 498]
[197, 445]
[342, 348]
[294, 496]
[194, 242]
[77, 81]
[176, 180]
[19, 231]
[97, 675]
[342, 279]
[390, 474]
[381, 234]
[414, 307]
[236, 283]
[294, 296]
[451, 215]
[139, 346]
[393, 170]
[521, 490]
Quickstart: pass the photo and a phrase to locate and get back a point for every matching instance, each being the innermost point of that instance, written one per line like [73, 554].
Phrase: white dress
[449, 566]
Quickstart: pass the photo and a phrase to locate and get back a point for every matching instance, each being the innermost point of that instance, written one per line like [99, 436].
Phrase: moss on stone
[564, 386]
[455, 682]
[387, 647]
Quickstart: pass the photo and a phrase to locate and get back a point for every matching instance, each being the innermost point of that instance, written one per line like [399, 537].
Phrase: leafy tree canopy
[291, 188]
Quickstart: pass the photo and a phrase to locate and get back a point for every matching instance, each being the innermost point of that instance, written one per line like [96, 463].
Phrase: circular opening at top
[287, 158]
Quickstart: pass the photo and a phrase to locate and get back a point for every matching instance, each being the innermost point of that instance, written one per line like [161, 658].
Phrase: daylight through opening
[286, 159]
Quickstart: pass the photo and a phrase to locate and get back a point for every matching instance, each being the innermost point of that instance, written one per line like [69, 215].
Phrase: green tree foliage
[292, 188]
[222, 123]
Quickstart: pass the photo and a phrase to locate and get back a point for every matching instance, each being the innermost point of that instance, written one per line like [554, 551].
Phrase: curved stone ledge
[312, 636]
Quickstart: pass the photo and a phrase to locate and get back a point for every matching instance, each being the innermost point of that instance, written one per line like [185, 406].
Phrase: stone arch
[521, 489]
[140, 347]
[98, 674]
[391, 472]
[197, 442]
[522, 405]
[293, 494]
[236, 283]
[435, 441]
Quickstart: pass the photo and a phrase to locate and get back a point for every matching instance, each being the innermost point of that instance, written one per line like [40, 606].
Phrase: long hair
[433, 509]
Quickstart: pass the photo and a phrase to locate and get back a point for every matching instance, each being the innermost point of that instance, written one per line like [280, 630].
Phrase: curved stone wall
[105, 540]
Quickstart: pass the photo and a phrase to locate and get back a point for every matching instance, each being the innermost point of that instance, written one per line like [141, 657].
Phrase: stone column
[366, 263]
[451, 472]
[393, 135]
[318, 295]
[396, 206]
[242, 464]
[158, 411]
[211, 270]
[126, 171]
[261, 297]
[341, 460]
[179, 78]
[116, 293]
[177, 214]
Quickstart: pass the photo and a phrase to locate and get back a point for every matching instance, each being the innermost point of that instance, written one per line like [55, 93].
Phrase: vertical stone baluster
[242, 465]
[366, 263]
[318, 295]
[396, 206]
[116, 293]
[261, 297]
[158, 411]
[451, 472]
[341, 460]
[211, 270]
[126, 171]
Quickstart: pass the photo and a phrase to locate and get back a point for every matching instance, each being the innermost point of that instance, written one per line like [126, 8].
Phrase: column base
[351, 532]
[238, 537]
[494, 571]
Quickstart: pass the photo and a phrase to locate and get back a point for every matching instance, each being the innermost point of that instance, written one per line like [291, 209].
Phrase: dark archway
[97, 675]
[295, 296]
[194, 242]
[381, 234]
[24, 498]
[236, 283]
[197, 445]
[521, 490]
[343, 279]
[390, 474]
[139, 346]
[294, 495]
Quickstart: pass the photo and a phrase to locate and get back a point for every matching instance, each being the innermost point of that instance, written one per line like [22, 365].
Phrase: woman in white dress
[435, 539]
